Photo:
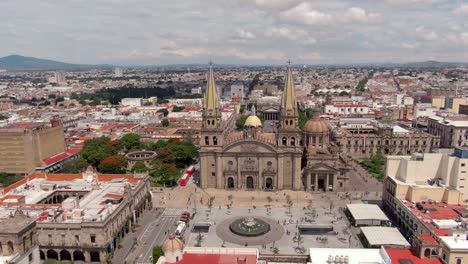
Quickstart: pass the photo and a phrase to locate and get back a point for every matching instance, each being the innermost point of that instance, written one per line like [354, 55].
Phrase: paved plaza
[285, 240]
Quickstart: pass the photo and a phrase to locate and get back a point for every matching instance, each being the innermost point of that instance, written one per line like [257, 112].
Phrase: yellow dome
[253, 121]
[172, 244]
[316, 126]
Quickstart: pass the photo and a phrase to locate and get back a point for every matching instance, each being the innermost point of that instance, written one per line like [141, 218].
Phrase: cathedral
[284, 158]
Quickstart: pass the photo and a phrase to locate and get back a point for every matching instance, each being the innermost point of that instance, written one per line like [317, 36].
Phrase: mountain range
[21, 63]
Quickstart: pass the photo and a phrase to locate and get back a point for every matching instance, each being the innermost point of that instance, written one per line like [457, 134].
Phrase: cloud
[305, 14]
[310, 56]
[407, 3]
[357, 14]
[426, 34]
[243, 34]
[461, 10]
[292, 34]
[276, 4]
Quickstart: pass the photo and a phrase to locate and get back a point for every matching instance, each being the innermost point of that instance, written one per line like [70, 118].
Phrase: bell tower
[212, 130]
[289, 132]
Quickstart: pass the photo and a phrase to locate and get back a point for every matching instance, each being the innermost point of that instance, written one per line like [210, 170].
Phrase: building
[366, 215]
[424, 110]
[453, 103]
[174, 252]
[118, 72]
[78, 217]
[59, 78]
[452, 130]
[197, 90]
[344, 109]
[25, 146]
[136, 102]
[348, 255]
[255, 158]
[402, 99]
[383, 236]
[238, 90]
[269, 107]
[18, 239]
[463, 109]
[363, 137]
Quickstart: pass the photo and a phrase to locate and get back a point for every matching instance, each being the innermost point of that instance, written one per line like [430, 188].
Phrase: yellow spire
[289, 93]
[211, 96]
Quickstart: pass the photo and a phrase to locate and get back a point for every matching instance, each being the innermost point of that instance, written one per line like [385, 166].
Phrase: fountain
[249, 227]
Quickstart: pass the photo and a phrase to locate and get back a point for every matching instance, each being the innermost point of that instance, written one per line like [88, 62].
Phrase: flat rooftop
[355, 255]
[384, 236]
[99, 196]
[366, 212]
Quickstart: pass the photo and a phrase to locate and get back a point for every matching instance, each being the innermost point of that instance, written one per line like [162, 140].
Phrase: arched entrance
[78, 256]
[427, 252]
[250, 182]
[269, 184]
[230, 183]
[94, 256]
[65, 255]
[52, 254]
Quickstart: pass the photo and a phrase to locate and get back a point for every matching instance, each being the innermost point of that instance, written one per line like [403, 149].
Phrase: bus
[190, 170]
[183, 180]
[180, 228]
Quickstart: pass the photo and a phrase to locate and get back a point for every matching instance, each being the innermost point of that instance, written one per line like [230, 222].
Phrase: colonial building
[265, 159]
[364, 137]
[71, 217]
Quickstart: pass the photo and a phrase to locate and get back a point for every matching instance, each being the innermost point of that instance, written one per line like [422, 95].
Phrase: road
[154, 235]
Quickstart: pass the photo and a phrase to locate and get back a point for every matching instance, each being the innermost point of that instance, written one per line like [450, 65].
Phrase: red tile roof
[428, 239]
[190, 258]
[59, 157]
[400, 254]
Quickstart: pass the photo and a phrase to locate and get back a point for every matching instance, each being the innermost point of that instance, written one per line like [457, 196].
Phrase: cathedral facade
[255, 159]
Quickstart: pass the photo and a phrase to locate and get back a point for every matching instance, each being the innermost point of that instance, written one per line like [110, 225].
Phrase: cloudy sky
[235, 31]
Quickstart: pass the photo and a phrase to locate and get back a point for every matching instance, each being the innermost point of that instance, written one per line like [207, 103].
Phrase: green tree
[159, 144]
[96, 150]
[165, 122]
[6, 179]
[157, 253]
[164, 111]
[130, 141]
[139, 167]
[164, 174]
[240, 122]
[178, 108]
[73, 166]
[113, 164]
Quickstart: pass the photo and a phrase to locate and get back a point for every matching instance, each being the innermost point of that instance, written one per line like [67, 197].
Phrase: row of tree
[108, 156]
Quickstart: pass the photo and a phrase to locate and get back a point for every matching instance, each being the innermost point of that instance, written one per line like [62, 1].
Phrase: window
[293, 141]
[30, 257]
[213, 174]
[463, 171]
[215, 141]
[463, 165]
[284, 140]
[207, 140]
[93, 238]
[77, 238]
[461, 187]
[459, 261]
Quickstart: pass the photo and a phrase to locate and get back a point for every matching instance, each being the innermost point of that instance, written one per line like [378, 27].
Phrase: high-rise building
[24, 146]
[118, 72]
[60, 77]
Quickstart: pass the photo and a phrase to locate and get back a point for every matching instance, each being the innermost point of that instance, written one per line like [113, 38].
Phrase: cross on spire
[289, 62]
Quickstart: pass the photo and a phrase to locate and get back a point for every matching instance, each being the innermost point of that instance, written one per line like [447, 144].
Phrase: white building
[197, 90]
[424, 109]
[346, 109]
[348, 256]
[402, 99]
[118, 72]
[237, 90]
[132, 102]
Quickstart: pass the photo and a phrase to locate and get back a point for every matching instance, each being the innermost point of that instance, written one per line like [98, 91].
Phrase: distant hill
[18, 62]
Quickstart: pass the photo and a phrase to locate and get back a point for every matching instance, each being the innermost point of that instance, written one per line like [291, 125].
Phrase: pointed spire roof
[289, 94]
[211, 95]
[253, 110]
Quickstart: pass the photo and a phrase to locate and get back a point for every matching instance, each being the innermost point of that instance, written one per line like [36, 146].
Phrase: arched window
[11, 248]
[215, 141]
[208, 122]
[293, 141]
[207, 140]
[284, 141]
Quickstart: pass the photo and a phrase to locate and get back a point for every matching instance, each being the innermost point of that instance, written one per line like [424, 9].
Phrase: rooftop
[366, 211]
[384, 236]
[355, 255]
[399, 255]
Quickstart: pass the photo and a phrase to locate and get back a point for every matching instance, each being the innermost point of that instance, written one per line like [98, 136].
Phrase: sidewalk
[128, 243]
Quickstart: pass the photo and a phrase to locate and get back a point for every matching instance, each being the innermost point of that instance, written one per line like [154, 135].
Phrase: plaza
[285, 237]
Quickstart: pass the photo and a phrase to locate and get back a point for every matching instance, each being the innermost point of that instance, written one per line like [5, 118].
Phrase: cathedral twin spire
[211, 96]
[288, 101]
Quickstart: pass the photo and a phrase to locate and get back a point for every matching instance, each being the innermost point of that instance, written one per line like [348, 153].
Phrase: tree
[178, 108]
[96, 150]
[6, 180]
[241, 121]
[157, 253]
[159, 144]
[164, 111]
[164, 174]
[139, 167]
[113, 164]
[130, 141]
[165, 123]
[73, 166]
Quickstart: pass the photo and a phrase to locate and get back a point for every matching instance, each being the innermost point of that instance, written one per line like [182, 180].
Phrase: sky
[154, 32]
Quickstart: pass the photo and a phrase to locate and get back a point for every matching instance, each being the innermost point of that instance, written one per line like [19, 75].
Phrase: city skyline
[236, 32]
